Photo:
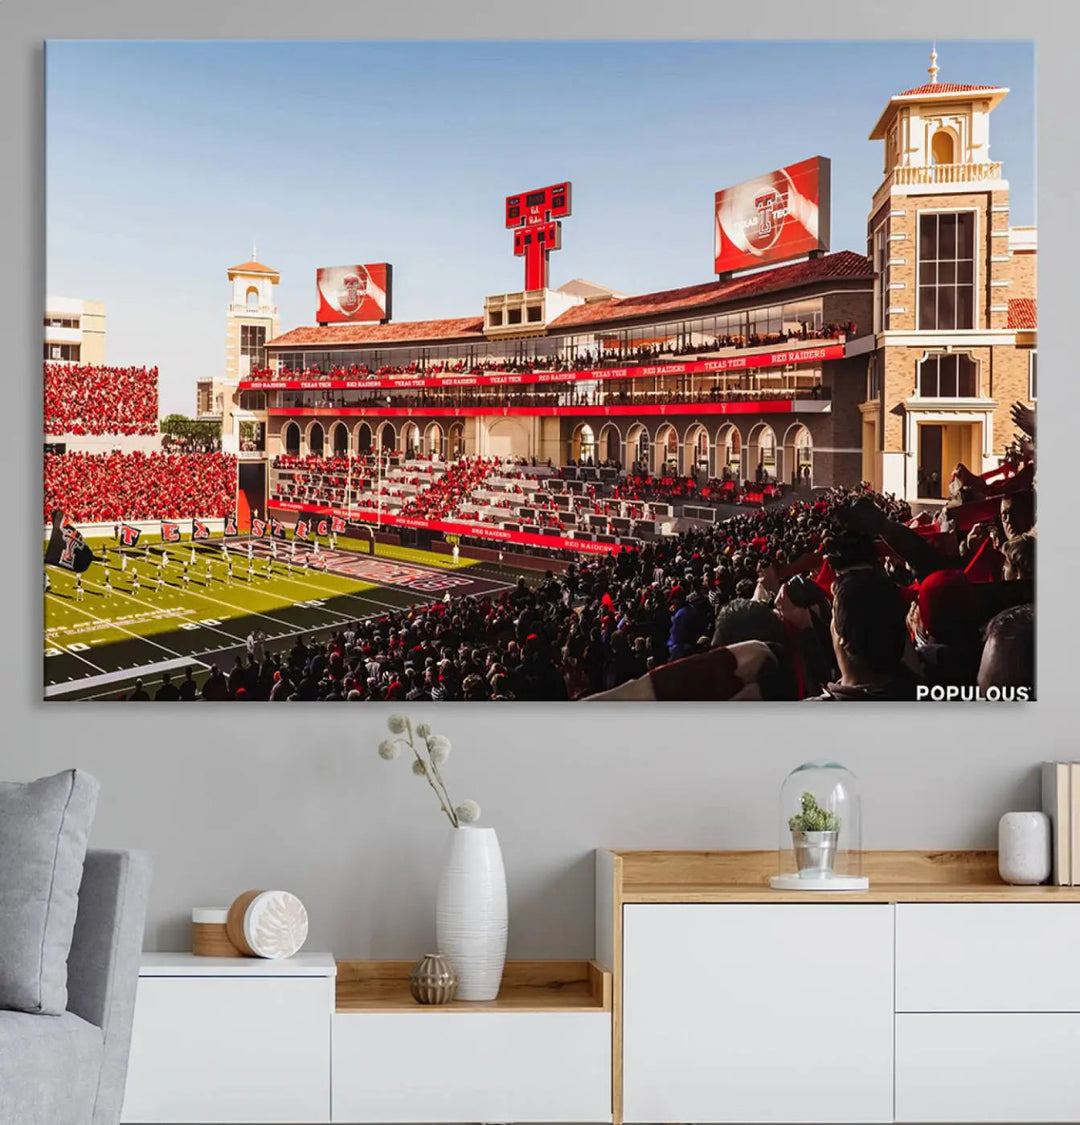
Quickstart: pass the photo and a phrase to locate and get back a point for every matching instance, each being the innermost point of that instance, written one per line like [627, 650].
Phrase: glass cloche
[820, 830]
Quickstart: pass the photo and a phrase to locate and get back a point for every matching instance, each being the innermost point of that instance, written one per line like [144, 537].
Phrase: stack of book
[1061, 802]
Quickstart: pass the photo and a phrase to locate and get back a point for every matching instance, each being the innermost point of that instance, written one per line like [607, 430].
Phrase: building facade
[891, 368]
[954, 295]
[251, 320]
[761, 376]
[74, 330]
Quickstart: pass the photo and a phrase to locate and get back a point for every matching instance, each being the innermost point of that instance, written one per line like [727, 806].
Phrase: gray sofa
[70, 1069]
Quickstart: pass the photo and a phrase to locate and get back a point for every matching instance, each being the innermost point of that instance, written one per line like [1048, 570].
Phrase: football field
[165, 607]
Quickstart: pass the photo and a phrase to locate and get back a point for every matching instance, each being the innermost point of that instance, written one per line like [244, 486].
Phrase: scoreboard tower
[534, 217]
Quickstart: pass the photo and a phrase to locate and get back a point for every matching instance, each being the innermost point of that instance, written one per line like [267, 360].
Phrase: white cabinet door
[758, 1013]
[230, 1049]
[454, 1066]
[988, 1067]
[988, 957]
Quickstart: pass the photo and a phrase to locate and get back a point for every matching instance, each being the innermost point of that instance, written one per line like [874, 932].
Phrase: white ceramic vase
[1024, 855]
[471, 912]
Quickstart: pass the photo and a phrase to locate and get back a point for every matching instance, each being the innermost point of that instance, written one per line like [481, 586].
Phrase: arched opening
[433, 440]
[583, 444]
[339, 439]
[455, 441]
[610, 443]
[316, 437]
[761, 447]
[386, 438]
[290, 439]
[799, 456]
[637, 448]
[363, 439]
[729, 453]
[410, 439]
[666, 451]
[942, 148]
[697, 451]
[252, 298]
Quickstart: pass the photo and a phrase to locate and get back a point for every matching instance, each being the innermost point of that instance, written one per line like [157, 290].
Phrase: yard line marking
[171, 612]
[64, 651]
[355, 595]
[110, 625]
[241, 611]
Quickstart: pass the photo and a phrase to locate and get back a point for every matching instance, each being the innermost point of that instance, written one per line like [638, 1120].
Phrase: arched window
[253, 298]
[948, 376]
[767, 447]
[290, 439]
[583, 443]
[941, 148]
[340, 440]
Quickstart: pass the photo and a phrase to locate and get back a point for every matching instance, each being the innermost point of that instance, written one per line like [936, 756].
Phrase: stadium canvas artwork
[559, 387]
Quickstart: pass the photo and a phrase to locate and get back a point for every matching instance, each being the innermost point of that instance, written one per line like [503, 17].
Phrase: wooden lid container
[271, 924]
[209, 935]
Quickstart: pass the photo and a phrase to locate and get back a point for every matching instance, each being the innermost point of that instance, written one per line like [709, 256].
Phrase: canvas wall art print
[539, 371]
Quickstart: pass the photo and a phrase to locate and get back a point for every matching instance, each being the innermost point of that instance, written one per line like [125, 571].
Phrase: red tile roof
[252, 267]
[845, 265]
[464, 326]
[943, 88]
[1023, 313]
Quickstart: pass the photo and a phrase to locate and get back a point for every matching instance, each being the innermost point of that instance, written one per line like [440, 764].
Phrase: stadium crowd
[737, 387]
[83, 399]
[450, 493]
[602, 357]
[104, 487]
[842, 597]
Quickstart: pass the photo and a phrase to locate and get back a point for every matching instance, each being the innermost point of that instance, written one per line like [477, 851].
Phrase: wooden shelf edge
[753, 868]
[527, 986]
[885, 895]
[895, 876]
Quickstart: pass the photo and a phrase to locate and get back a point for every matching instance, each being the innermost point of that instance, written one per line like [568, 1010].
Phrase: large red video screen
[773, 218]
[353, 293]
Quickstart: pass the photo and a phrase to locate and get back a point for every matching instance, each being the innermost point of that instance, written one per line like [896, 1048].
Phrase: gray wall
[232, 798]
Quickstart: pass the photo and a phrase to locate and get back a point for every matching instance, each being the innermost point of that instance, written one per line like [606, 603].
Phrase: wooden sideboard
[939, 994]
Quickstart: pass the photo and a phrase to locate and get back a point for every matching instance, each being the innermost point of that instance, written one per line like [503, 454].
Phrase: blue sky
[165, 159]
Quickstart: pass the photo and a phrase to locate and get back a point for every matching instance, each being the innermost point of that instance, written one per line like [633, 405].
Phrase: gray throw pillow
[43, 830]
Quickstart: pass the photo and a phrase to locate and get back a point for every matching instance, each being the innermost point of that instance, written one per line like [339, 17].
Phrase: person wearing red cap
[944, 622]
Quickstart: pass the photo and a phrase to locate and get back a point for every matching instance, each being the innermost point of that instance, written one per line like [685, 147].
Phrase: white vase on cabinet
[471, 914]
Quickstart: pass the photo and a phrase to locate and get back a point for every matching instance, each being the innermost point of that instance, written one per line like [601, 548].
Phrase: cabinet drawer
[988, 1067]
[230, 1050]
[456, 1066]
[988, 957]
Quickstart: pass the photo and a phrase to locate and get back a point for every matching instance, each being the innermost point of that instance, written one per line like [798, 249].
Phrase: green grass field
[99, 638]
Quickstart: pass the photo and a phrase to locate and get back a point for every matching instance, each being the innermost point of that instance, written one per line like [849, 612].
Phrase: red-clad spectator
[105, 487]
[83, 399]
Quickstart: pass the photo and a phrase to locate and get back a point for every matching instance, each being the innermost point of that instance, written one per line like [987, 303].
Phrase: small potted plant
[814, 832]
